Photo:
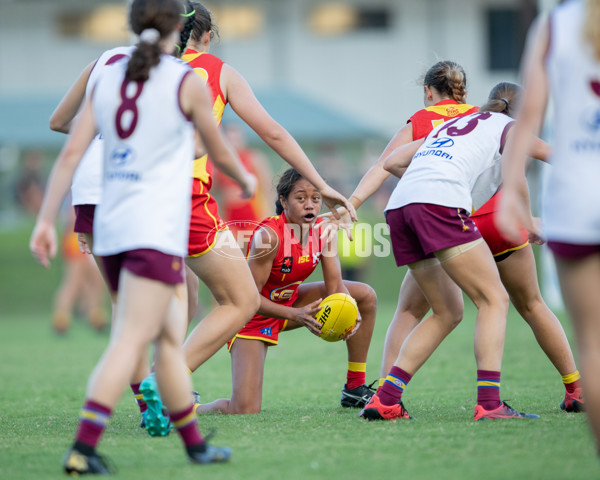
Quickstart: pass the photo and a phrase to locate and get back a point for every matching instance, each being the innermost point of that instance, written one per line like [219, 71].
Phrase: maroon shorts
[84, 218]
[144, 262]
[419, 229]
[570, 251]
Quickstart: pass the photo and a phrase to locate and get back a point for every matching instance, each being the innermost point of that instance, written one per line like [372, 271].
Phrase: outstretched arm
[195, 101]
[64, 113]
[43, 239]
[514, 212]
[540, 150]
[376, 175]
[399, 160]
[248, 108]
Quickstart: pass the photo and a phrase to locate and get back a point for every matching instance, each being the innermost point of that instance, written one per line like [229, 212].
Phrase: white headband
[150, 35]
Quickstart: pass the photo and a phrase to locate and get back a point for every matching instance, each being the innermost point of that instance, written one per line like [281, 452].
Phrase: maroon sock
[186, 424]
[393, 387]
[92, 423]
[488, 389]
[139, 398]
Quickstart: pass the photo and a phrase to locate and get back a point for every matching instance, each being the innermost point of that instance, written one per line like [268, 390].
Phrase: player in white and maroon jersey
[562, 59]
[514, 258]
[431, 232]
[86, 195]
[145, 108]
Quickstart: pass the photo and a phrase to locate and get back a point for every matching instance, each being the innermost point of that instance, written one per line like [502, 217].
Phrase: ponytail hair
[152, 21]
[286, 183]
[449, 79]
[202, 22]
[188, 26]
[504, 98]
[591, 26]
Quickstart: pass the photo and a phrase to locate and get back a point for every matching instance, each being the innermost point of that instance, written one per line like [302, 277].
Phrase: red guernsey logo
[451, 111]
[286, 265]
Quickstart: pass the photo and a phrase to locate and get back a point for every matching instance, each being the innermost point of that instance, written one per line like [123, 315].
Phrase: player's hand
[513, 215]
[536, 237]
[83, 244]
[355, 329]
[332, 199]
[306, 316]
[43, 243]
[250, 185]
[331, 224]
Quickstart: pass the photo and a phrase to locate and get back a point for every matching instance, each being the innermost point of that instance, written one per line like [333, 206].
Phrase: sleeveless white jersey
[454, 156]
[148, 154]
[87, 182]
[571, 200]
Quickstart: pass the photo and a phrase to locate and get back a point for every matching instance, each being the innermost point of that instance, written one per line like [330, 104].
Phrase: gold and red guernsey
[208, 68]
[424, 121]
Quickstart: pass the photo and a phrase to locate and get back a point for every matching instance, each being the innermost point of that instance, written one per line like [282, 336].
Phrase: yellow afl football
[338, 316]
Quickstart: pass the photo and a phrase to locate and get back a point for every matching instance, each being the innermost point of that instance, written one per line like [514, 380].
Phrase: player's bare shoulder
[265, 243]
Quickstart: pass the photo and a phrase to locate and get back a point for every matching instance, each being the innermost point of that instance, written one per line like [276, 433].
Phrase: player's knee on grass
[218, 406]
[244, 406]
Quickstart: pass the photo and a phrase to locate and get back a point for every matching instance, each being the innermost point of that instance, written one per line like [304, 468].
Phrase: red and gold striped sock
[356, 375]
[572, 381]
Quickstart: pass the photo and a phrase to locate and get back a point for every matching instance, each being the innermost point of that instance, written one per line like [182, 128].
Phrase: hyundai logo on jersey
[441, 143]
[591, 119]
[121, 156]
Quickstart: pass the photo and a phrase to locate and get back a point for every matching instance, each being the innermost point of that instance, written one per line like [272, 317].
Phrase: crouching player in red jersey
[284, 250]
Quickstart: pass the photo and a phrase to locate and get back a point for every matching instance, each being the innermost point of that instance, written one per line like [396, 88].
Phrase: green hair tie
[193, 12]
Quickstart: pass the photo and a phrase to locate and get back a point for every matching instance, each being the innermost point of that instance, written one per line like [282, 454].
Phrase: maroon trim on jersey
[111, 60]
[115, 58]
[507, 127]
[187, 117]
[595, 86]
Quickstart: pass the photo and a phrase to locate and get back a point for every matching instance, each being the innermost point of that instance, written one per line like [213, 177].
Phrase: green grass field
[302, 432]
